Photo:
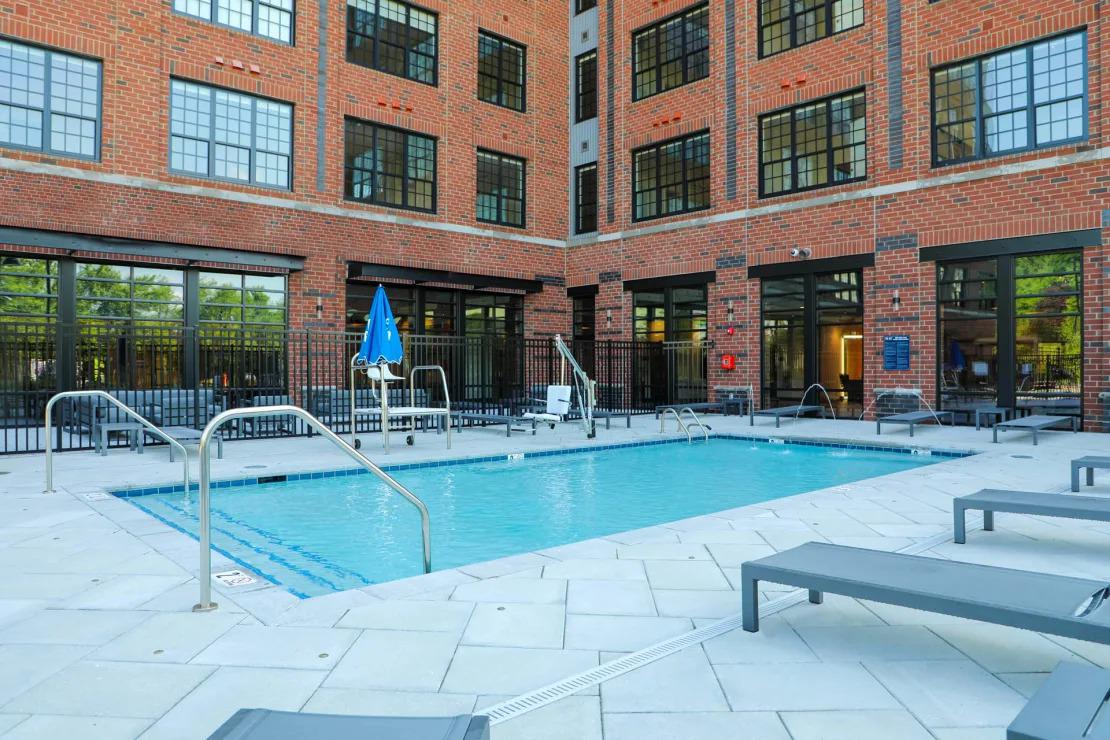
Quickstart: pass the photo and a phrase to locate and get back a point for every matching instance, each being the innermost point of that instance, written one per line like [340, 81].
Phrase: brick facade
[905, 204]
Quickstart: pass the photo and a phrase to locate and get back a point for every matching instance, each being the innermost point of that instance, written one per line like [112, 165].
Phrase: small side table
[1001, 412]
[133, 429]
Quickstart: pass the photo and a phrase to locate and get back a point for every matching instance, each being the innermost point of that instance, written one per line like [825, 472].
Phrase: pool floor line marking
[541, 697]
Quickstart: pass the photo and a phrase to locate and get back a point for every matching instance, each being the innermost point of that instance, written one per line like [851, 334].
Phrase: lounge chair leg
[1090, 476]
[749, 601]
[988, 521]
[878, 427]
[816, 597]
[959, 525]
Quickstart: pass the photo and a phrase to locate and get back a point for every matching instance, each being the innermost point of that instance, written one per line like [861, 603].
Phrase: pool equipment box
[896, 352]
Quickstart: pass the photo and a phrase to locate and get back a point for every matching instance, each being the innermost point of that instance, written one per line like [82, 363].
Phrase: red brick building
[803, 191]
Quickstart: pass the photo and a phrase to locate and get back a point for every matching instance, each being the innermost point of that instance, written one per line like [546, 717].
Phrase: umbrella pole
[385, 408]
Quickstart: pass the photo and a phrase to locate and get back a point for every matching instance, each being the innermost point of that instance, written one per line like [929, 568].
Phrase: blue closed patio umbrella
[381, 345]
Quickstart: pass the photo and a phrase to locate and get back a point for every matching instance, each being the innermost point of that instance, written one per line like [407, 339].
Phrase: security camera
[802, 252]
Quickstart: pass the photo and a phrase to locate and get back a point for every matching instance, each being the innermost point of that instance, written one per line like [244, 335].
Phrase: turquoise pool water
[321, 535]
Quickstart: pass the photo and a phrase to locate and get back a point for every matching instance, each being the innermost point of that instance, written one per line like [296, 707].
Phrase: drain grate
[552, 693]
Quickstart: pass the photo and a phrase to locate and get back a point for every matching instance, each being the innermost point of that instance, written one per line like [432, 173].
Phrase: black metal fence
[182, 377]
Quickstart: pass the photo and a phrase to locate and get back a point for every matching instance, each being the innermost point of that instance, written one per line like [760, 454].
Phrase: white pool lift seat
[558, 406]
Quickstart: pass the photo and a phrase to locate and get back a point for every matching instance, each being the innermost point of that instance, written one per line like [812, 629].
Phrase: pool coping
[510, 563]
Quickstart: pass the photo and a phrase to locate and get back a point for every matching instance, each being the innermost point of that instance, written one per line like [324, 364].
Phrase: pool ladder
[683, 426]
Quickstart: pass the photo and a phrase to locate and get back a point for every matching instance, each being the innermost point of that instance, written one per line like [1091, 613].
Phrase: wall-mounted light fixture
[319, 307]
[731, 313]
[896, 300]
[801, 252]
[608, 318]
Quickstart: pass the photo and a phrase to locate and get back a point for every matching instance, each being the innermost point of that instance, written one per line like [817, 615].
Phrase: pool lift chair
[559, 396]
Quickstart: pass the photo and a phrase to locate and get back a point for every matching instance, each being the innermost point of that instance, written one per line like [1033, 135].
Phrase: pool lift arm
[585, 387]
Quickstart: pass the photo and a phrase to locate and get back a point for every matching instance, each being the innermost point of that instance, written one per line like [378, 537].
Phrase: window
[813, 145]
[500, 189]
[784, 24]
[501, 71]
[585, 198]
[583, 314]
[581, 6]
[125, 294]
[62, 120]
[28, 289]
[671, 53]
[232, 298]
[393, 37]
[389, 167]
[585, 87]
[270, 18]
[671, 177]
[1016, 100]
[230, 136]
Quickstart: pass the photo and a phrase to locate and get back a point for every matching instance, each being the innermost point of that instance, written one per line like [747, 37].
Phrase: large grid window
[393, 37]
[671, 177]
[501, 71]
[389, 167]
[585, 198]
[671, 53]
[813, 145]
[49, 101]
[784, 24]
[1025, 98]
[272, 19]
[28, 289]
[126, 294]
[585, 87]
[230, 298]
[230, 136]
[500, 189]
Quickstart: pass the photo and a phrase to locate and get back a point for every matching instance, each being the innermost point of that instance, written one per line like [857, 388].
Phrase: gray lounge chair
[1090, 463]
[1035, 424]
[267, 724]
[1070, 705]
[1058, 605]
[991, 500]
[478, 417]
[781, 411]
[912, 419]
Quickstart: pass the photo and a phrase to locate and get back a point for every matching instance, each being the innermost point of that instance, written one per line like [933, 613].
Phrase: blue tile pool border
[316, 475]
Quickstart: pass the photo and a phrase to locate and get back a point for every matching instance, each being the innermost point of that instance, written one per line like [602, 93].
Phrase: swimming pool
[320, 535]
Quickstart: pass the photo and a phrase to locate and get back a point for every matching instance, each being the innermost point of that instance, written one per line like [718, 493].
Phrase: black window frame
[659, 187]
[580, 205]
[255, 4]
[1030, 106]
[581, 6]
[830, 151]
[253, 180]
[375, 56]
[793, 33]
[502, 159]
[405, 178]
[585, 93]
[47, 105]
[502, 43]
[656, 28]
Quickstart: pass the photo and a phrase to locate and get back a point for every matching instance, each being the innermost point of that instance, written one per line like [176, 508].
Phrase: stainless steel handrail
[123, 407]
[681, 424]
[697, 422]
[446, 394]
[204, 502]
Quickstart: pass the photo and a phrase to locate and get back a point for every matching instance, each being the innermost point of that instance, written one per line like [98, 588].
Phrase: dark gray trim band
[610, 115]
[580, 291]
[895, 113]
[322, 99]
[139, 248]
[730, 100]
[805, 267]
[670, 281]
[1014, 245]
[421, 275]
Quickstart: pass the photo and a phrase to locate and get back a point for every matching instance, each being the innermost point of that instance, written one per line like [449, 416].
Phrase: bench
[991, 500]
[1090, 463]
[912, 419]
[490, 418]
[1070, 705]
[1035, 424]
[782, 411]
[1057, 605]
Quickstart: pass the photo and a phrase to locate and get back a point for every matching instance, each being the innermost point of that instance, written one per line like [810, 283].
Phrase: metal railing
[697, 422]
[412, 400]
[204, 503]
[681, 424]
[122, 407]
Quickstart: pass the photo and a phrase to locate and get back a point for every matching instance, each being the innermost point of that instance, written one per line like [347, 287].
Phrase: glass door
[840, 340]
[784, 340]
[967, 310]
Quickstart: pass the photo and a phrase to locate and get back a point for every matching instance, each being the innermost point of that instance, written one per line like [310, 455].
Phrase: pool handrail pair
[204, 503]
[149, 428]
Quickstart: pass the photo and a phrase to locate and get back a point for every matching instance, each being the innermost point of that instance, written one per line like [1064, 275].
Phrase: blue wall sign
[896, 352]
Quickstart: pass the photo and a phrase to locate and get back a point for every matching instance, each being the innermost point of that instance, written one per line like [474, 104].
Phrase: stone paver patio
[98, 640]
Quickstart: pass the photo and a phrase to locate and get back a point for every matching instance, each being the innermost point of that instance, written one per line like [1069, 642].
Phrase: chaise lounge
[1035, 424]
[788, 411]
[991, 500]
[912, 419]
[1058, 605]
